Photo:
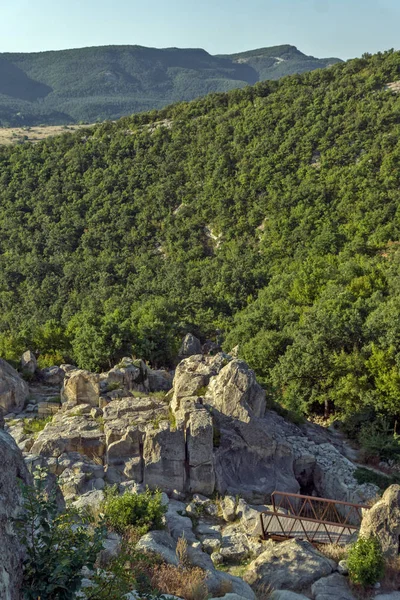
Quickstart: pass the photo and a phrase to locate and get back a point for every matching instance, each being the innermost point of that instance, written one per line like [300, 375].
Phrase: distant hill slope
[107, 82]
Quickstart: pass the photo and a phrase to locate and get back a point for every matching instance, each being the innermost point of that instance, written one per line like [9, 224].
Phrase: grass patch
[36, 425]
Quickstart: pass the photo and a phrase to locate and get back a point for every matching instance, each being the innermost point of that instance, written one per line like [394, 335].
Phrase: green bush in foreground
[58, 544]
[142, 511]
[365, 561]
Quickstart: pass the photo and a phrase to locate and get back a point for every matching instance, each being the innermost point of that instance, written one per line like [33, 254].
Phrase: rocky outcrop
[71, 433]
[52, 375]
[383, 521]
[193, 375]
[250, 461]
[13, 389]
[190, 346]
[129, 375]
[81, 387]
[12, 470]
[28, 362]
[159, 380]
[292, 565]
[236, 393]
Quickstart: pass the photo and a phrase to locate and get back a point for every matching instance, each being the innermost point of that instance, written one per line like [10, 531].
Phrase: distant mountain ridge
[107, 82]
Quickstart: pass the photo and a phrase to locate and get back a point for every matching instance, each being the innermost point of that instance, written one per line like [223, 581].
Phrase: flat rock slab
[292, 565]
[287, 595]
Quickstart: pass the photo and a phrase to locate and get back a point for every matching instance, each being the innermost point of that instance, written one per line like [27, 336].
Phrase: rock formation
[383, 521]
[12, 470]
[190, 346]
[13, 389]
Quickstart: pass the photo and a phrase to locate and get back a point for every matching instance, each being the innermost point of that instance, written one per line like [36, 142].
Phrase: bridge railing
[319, 520]
[321, 509]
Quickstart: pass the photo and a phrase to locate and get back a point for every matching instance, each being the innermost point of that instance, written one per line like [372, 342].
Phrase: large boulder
[13, 389]
[29, 362]
[52, 375]
[130, 375]
[193, 375]
[159, 380]
[12, 470]
[292, 565]
[81, 387]
[235, 392]
[190, 346]
[333, 587]
[383, 521]
[71, 433]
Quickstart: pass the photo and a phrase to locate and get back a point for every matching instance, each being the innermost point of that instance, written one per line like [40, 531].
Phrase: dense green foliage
[382, 481]
[365, 561]
[107, 82]
[57, 544]
[141, 511]
[270, 213]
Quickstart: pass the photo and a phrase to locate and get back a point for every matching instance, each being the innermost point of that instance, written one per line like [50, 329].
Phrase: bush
[365, 561]
[58, 544]
[142, 511]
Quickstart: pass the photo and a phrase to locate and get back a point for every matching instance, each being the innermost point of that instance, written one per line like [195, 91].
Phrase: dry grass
[181, 551]
[18, 135]
[264, 592]
[333, 551]
[225, 587]
[185, 582]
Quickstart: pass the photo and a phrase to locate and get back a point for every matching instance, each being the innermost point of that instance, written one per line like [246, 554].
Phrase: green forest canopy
[270, 213]
[107, 82]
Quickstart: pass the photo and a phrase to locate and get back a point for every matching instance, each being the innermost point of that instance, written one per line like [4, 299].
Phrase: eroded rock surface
[292, 565]
[12, 470]
[13, 389]
[383, 521]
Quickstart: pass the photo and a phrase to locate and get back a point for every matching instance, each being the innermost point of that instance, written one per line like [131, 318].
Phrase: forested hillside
[269, 213]
[107, 82]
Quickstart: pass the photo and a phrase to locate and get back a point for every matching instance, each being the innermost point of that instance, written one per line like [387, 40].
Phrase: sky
[323, 28]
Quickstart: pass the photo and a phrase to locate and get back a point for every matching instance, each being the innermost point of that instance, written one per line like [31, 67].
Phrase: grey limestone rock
[13, 389]
[333, 587]
[383, 521]
[13, 469]
[292, 565]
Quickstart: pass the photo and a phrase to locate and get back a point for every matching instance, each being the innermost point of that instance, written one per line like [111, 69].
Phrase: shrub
[143, 511]
[365, 561]
[58, 544]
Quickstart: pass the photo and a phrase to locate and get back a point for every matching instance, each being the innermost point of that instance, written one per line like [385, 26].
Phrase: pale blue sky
[343, 28]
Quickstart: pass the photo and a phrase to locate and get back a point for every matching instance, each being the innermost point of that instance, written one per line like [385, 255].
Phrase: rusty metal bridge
[318, 520]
